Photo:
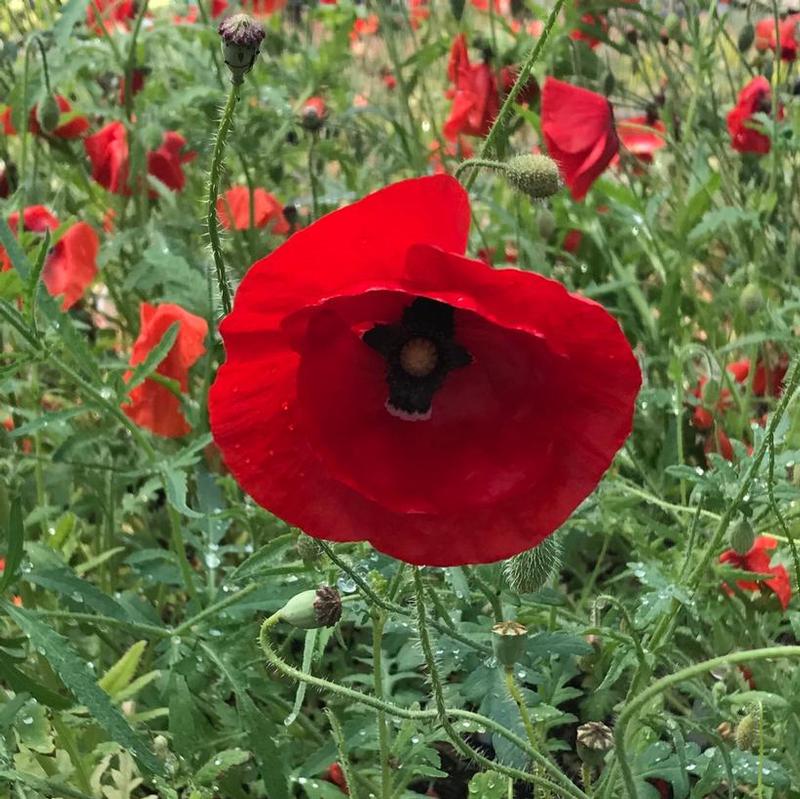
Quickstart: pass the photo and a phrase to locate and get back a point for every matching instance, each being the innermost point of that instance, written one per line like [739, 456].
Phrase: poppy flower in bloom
[380, 385]
[755, 98]
[218, 7]
[364, 26]
[5, 121]
[578, 128]
[137, 83]
[110, 15]
[71, 266]
[528, 94]
[765, 38]
[418, 12]
[5, 182]
[589, 24]
[642, 136]
[233, 210]
[70, 126]
[153, 405]
[476, 100]
[108, 152]
[166, 163]
[757, 560]
[262, 8]
[313, 113]
[335, 774]
[456, 150]
[35, 219]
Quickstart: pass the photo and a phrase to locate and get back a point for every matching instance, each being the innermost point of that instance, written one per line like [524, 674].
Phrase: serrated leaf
[119, 676]
[77, 676]
[22, 683]
[271, 765]
[488, 785]
[71, 13]
[65, 582]
[219, 764]
[154, 358]
[175, 486]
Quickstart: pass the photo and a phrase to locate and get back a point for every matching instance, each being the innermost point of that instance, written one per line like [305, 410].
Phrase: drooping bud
[747, 731]
[547, 224]
[530, 570]
[312, 609]
[533, 174]
[751, 300]
[747, 36]
[313, 113]
[508, 642]
[742, 536]
[241, 41]
[595, 740]
[48, 113]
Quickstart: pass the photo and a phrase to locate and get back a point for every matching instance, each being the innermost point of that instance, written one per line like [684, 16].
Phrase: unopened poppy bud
[595, 740]
[672, 23]
[751, 300]
[160, 747]
[48, 113]
[796, 88]
[609, 83]
[547, 224]
[746, 37]
[308, 549]
[533, 174]
[241, 41]
[312, 609]
[313, 114]
[742, 536]
[508, 642]
[530, 570]
[747, 731]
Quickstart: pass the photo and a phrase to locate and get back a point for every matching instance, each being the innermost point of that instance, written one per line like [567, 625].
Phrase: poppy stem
[635, 705]
[344, 760]
[378, 622]
[213, 192]
[522, 79]
[486, 163]
[130, 61]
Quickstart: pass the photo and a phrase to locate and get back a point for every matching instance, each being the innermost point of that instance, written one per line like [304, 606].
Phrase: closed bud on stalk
[672, 23]
[160, 747]
[547, 224]
[312, 609]
[751, 300]
[508, 642]
[530, 570]
[746, 38]
[742, 536]
[533, 174]
[313, 113]
[308, 549]
[747, 731]
[48, 113]
[595, 740]
[609, 83]
[241, 41]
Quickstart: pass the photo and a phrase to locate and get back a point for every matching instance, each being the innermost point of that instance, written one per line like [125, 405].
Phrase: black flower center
[420, 351]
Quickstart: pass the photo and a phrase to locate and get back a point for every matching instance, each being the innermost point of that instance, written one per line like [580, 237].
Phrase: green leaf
[16, 534]
[175, 485]
[70, 14]
[271, 764]
[22, 683]
[154, 357]
[119, 676]
[65, 582]
[77, 676]
[219, 764]
[181, 717]
[18, 258]
[11, 285]
[488, 785]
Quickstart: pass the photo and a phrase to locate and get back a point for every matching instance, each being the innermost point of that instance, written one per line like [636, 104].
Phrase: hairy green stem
[344, 760]
[130, 62]
[378, 621]
[179, 548]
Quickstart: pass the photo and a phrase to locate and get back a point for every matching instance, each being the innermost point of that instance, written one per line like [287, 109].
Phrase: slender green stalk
[213, 192]
[214, 609]
[110, 621]
[344, 760]
[522, 79]
[486, 163]
[378, 621]
[179, 547]
[632, 708]
[130, 62]
[312, 176]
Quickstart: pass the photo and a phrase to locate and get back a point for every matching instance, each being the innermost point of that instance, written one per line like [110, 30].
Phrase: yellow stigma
[418, 357]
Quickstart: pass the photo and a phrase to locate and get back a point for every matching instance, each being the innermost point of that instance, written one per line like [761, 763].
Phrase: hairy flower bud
[751, 300]
[747, 731]
[508, 642]
[742, 536]
[48, 113]
[312, 609]
[547, 224]
[533, 174]
[241, 41]
[308, 548]
[530, 570]
[595, 740]
[747, 36]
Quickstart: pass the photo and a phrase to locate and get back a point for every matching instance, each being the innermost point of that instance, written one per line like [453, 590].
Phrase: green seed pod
[746, 733]
[751, 300]
[48, 113]
[547, 224]
[530, 570]
[508, 642]
[742, 536]
[746, 38]
[312, 609]
[595, 740]
[533, 174]
[241, 41]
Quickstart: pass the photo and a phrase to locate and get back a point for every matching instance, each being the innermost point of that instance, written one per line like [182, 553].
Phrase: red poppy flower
[758, 560]
[476, 99]
[5, 181]
[418, 12]
[5, 121]
[166, 163]
[528, 94]
[364, 26]
[756, 97]
[72, 265]
[35, 219]
[379, 385]
[335, 774]
[662, 786]
[233, 210]
[313, 113]
[108, 151]
[72, 127]
[218, 7]
[500, 6]
[153, 405]
[642, 136]
[456, 150]
[589, 24]
[578, 128]
[110, 14]
[787, 35]
[262, 8]
[572, 241]
[137, 83]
